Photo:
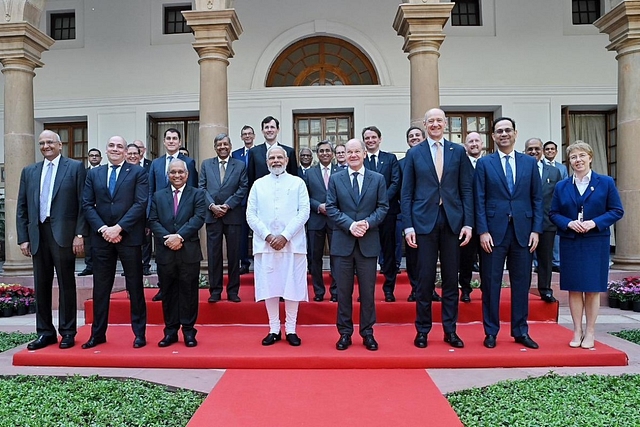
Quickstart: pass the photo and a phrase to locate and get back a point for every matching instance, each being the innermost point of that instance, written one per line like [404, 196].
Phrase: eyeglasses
[246, 134]
[47, 142]
[501, 131]
[306, 155]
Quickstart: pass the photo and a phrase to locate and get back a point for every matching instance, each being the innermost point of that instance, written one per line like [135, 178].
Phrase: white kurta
[279, 205]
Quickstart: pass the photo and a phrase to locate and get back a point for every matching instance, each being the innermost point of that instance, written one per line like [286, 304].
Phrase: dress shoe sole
[64, 346]
[88, 345]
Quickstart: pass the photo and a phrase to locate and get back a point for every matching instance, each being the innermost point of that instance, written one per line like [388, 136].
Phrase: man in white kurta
[277, 210]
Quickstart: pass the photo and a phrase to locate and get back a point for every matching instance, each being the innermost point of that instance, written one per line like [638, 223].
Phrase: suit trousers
[104, 271]
[388, 243]
[366, 271]
[146, 251]
[231, 232]
[468, 257]
[316, 245]
[88, 261]
[544, 253]
[519, 265]
[49, 256]
[442, 240]
[244, 245]
[179, 296]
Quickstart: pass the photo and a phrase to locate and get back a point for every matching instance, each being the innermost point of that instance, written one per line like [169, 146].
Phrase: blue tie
[44, 194]
[509, 173]
[113, 179]
[166, 174]
[356, 187]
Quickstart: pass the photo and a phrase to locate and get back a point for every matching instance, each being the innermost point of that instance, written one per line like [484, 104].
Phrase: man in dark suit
[437, 198]
[550, 153]
[356, 204]
[258, 154]
[114, 200]
[177, 214]
[508, 209]
[248, 135]
[224, 180]
[50, 225]
[159, 177]
[544, 252]
[144, 162]
[387, 165]
[95, 158]
[319, 227]
[146, 247]
[306, 159]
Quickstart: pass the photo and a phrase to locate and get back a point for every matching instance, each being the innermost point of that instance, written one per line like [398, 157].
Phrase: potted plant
[6, 306]
[636, 298]
[21, 306]
[613, 288]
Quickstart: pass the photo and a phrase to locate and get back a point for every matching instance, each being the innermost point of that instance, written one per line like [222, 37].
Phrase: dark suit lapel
[446, 158]
[216, 170]
[545, 172]
[36, 187]
[425, 152]
[63, 167]
[230, 168]
[346, 181]
[186, 193]
[593, 184]
[497, 165]
[126, 168]
[365, 184]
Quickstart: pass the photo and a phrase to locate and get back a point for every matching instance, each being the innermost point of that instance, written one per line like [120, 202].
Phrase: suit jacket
[126, 207]
[387, 166]
[158, 174]
[343, 209]
[494, 203]
[66, 215]
[317, 195]
[239, 154]
[421, 190]
[187, 223]
[550, 178]
[561, 167]
[301, 172]
[146, 164]
[232, 191]
[601, 204]
[258, 162]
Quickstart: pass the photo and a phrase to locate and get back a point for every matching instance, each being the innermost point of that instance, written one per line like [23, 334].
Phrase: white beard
[277, 170]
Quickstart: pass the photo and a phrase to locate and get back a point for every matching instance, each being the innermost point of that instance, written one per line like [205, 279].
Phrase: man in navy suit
[356, 204]
[50, 225]
[319, 227]
[224, 180]
[509, 218]
[258, 154]
[437, 199]
[248, 135]
[95, 158]
[387, 165]
[306, 159]
[177, 214]
[114, 200]
[146, 247]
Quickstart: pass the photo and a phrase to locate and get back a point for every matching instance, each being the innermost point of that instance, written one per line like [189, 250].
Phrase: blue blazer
[601, 204]
[421, 190]
[388, 167]
[239, 154]
[158, 175]
[494, 203]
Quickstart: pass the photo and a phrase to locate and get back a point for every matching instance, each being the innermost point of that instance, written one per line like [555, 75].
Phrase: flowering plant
[5, 302]
[627, 289]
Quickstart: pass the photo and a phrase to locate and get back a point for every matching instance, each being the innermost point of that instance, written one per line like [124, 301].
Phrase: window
[466, 13]
[309, 129]
[461, 123]
[73, 137]
[174, 22]
[63, 26]
[189, 128]
[612, 143]
[585, 12]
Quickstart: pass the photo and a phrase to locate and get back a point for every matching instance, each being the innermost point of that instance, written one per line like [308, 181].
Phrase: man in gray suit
[225, 181]
[356, 204]
[50, 225]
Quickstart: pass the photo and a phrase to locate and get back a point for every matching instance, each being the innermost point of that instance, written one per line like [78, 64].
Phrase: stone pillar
[622, 24]
[420, 22]
[21, 45]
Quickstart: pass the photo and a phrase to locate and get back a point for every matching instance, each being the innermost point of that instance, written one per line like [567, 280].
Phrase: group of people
[448, 201]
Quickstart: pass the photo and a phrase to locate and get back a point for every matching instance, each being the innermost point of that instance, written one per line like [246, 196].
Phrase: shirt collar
[512, 154]
[116, 164]
[181, 189]
[377, 154]
[432, 141]
[360, 171]
[54, 161]
[585, 179]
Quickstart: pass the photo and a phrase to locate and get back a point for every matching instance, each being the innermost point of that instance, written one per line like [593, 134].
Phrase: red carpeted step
[324, 398]
[250, 312]
[239, 347]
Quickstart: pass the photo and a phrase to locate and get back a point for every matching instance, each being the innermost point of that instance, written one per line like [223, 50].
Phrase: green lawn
[9, 340]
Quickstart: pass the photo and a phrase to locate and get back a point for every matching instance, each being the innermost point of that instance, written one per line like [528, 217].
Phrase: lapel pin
[592, 188]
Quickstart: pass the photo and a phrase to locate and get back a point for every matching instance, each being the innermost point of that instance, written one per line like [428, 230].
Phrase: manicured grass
[552, 400]
[632, 335]
[9, 340]
[92, 401]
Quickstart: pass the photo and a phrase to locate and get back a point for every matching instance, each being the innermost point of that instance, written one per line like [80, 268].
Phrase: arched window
[322, 61]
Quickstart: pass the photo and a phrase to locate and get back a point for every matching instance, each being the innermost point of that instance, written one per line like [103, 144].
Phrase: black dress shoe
[139, 342]
[526, 341]
[168, 340]
[465, 297]
[146, 271]
[412, 297]
[86, 272]
[214, 298]
[234, 298]
[67, 341]
[454, 340]
[370, 343]
[489, 341]
[294, 340]
[421, 340]
[244, 269]
[548, 298]
[388, 297]
[158, 296]
[555, 269]
[318, 299]
[94, 341]
[42, 341]
[190, 340]
[344, 342]
[271, 338]
[334, 298]
[435, 297]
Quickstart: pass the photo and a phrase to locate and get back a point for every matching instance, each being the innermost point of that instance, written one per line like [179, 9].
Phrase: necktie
[175, 202]
[439, 161]
[509, 173]
[44, 194]
[374, 166]
[166, 175]
[356, 187]
[113, 178]
[326, 177]
[223, 170]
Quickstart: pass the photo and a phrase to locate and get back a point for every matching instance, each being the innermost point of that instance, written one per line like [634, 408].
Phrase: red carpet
[233, 346]
[313, 398]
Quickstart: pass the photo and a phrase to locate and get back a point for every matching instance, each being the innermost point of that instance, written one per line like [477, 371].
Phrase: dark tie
[113, 179]
[356, 187]
[175, 202]
[44, 194]
[373, 162]
[509, 173]
[166, 174]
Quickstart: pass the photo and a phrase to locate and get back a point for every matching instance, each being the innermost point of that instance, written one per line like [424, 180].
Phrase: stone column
[21, 45]
[622, 24]
[420, 22]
